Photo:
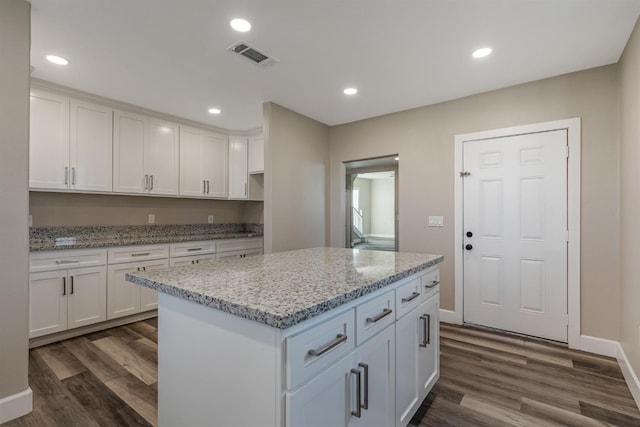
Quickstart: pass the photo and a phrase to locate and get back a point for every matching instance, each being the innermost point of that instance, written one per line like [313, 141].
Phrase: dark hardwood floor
[487, 379]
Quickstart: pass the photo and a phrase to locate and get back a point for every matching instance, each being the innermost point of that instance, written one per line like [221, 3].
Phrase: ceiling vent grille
[252, 54]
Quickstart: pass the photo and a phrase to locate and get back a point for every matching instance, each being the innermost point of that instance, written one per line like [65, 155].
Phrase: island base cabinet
[357, 391]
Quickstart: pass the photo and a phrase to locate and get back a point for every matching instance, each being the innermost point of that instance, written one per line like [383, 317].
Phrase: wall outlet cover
[152, 219]
[210, 219]
[436, 221]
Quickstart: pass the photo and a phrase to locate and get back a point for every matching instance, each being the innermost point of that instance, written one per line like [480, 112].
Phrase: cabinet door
[238, 177]
[429, 353]
[376, 362]
[91, 147]
[48, 141]
[192, 182]
[149, 297]
[256, 154]
[326, 400]
[130, 135]
[47, 303]
[162, 158]
[123, 298]
[408, 335]
[214, 164]
[87, 296]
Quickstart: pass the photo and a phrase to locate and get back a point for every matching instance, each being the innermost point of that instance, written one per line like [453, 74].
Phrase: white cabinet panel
[256, 154]
[203, 163]
[238, 174]
[214, 164]
[47, 303]
[87, 296]
[407, 369]
[192, 183]
[161, 157]
[123, 296]
[429, 353]
[91, 147]
[130, 135]
[149, 297]
[48, 140]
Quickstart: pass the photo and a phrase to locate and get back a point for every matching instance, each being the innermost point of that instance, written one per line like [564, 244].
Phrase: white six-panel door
[515, 233]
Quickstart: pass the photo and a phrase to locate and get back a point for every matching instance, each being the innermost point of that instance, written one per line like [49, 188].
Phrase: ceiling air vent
[252, 54]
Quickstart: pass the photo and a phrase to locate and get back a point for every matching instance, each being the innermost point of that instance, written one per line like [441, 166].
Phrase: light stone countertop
[286, 288]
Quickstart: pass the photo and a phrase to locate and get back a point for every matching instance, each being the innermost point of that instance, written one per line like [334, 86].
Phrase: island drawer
[238, 244]
[430, 284]
[408, 296]
[192, 248]
[375, 315]
[65, 259]
[137, 253]
[313, 350]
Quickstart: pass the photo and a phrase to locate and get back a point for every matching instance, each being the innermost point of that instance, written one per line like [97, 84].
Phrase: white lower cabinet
[191, 260]
[126, 298]
[66, 299]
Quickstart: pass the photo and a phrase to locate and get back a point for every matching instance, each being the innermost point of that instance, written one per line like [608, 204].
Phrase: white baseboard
[16, 405]
[448, 316]
[599, 346]
[629, 375]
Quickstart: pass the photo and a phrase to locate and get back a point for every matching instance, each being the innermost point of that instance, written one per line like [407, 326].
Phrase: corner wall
[296, 180]
[424, 139]
[15, 40]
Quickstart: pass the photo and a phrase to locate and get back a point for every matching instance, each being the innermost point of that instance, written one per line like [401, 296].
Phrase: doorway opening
[371, 203]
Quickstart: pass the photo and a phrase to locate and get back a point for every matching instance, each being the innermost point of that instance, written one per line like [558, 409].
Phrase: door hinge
[567, 151]
[463, 174]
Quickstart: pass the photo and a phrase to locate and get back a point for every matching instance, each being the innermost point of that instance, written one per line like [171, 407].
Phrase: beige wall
[53, 209]
[296, 180]
[424, 139]
[14, 166]
[630, 199]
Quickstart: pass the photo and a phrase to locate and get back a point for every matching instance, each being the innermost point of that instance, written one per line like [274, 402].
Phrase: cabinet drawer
[137, 253]
[312, 351]
[62, 260]
[192, 248]
[238, 244]
[238, 254]
[408, 296]
[375, 315]
[190, 260]
[430, 284]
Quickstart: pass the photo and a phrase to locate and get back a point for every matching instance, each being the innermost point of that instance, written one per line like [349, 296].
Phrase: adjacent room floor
[487, 379]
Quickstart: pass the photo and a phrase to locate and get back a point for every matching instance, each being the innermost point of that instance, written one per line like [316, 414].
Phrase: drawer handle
[358, 412]
[426, 334]
[384, 314]
[142, 254]
[433, 284]
[194, 249]
[322, 350]
[67, 261]
[364, 366]
[411, 298]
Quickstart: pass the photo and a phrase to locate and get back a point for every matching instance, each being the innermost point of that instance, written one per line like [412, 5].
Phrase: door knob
[468, 247]
[469, 234]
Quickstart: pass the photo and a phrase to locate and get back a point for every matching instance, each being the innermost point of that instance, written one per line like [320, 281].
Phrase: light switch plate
[152, 219]
[436, 221]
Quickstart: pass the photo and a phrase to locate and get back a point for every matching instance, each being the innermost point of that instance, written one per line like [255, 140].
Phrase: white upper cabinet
[145, 155]
[238, 177]
[203, 163]
[49, 141]
[256, 154]
[70, 144]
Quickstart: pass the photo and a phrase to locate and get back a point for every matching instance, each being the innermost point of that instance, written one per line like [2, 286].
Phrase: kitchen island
[314, 337]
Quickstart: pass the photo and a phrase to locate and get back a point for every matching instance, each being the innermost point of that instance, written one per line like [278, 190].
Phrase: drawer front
[238, 254]
[314, 350]
[430, 284]
[137, 253]
[238, 244]
[375, 315]
[191, 260]
[192, 248]
[408, 296]
[62, 260]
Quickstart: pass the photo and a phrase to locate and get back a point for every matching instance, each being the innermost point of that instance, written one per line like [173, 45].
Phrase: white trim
[448, 316]
[573, 127]
[629, 375]
[599, 346]
[16, 405]
[381, 236]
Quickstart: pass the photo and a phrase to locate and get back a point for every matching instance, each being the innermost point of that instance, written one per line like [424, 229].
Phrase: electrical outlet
[436, 221]
[152, 219]
[210, 219]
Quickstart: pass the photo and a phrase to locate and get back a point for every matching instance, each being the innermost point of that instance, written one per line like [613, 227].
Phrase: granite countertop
[59, 238]
[286, 288]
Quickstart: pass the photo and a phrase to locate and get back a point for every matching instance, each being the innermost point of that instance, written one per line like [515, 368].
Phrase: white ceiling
[171, 55]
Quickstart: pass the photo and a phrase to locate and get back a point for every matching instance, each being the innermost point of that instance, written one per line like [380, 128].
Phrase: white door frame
[573, 209]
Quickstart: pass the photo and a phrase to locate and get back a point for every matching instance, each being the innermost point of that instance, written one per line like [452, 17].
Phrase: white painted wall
[382, 207]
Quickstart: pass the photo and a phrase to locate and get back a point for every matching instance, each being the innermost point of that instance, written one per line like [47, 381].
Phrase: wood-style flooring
[487, 379]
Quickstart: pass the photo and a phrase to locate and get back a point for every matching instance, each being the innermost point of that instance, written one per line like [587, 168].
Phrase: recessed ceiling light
[240, 25]
[214, 110]
[57, 59]
[350, 91]
[397, 158]
[482, 52]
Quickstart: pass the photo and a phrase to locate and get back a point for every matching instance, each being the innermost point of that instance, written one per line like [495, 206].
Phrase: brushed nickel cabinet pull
[428, 328]
[365, 404]
[151, 180]
[382, 315]
[66, 175]
[433, 284]
[245, 189]
[425, 339]
[207, 186]
[67, 261]
[146, 182]
[142, 254]
[204, 186]
[71, 278]
[358, 412]
[193, 249]
[411, 297]
[322, 350]
[64, 286]
[73, 176]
